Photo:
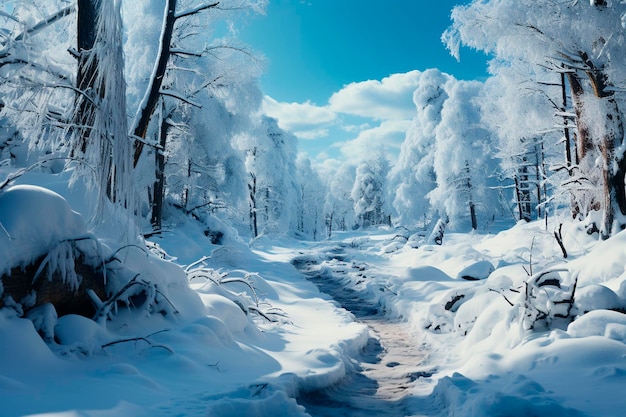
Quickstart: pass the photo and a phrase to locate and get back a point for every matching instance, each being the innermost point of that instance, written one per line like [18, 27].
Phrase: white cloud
[327, 166]
[375, 113]
[307, 119]
[355, 128]
[388, 99]
[312, 134]
[389, 135]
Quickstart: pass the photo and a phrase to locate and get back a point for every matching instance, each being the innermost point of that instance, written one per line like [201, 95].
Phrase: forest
[541, 134]
[135, 158]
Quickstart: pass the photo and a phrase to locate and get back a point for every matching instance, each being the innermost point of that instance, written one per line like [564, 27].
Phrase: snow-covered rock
[596, 297]
[476, 271]
[611, 324]
[32, 221]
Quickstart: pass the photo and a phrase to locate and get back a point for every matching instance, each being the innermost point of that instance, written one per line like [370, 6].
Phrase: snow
[34, 220]
[212, 353]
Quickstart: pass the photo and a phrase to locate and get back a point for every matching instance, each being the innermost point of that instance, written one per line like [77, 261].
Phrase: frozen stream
[381, 380]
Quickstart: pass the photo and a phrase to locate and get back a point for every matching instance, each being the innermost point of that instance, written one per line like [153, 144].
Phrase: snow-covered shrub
[214, 282]
[548, 298]
[597, 297]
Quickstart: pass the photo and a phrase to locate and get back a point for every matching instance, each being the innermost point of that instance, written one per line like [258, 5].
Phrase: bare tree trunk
[472, 206]
[253, 205]
[519, 197]
[184, 198]
[329, 223]
[159, 174]
[566, 132]
[524, 191]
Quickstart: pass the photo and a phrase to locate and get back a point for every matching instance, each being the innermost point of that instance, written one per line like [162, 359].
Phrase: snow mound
[32, 221]
[476, 271]
[606, 323]
[596, 297]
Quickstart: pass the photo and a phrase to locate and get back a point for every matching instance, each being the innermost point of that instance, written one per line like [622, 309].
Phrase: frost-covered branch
[66, 11]
[180, 97]
[195, 10]
[141, 339]
[133, 287]
[15, 175]
[186, 53]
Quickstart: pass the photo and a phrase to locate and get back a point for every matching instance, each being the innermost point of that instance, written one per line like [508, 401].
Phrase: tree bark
[583, 141]
[159, 174]
[614, 165]
[88, 13]
[253, 206]
[151, 98]
[613, 173]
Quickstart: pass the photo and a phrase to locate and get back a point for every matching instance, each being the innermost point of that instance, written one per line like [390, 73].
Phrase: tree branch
[195, 10]
[46, 22]
[180, 97]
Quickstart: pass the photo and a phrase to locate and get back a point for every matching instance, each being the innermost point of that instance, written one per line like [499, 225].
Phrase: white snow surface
[487, 354]
[32, 221]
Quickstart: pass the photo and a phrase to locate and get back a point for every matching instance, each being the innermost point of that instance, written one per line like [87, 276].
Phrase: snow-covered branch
[180, 97]
[46, 22]
[195, 10]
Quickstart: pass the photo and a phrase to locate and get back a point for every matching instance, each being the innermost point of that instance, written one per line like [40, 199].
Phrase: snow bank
[242, 338]
[33, 220]
[535, 335]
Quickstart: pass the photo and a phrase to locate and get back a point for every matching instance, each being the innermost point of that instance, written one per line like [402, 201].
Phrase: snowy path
[382, 378]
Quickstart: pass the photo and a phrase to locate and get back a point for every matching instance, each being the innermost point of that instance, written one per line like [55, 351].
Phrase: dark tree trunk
[152, 94]
[87, 19]
[253, 205]
[583, 141]
[566, 132]
[159, 175]
[472, 206]
[329, 223]
[185, 197]
[524, 191]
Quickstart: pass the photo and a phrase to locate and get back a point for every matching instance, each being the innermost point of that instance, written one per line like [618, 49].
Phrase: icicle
[107, 149]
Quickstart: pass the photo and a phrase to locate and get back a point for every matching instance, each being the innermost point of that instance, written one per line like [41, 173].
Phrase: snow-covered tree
[413, 177]
[192, 105]
[339, 206]
[584, 40]
[311, 207]
[463, 160]
[100, 136]
[274, 190]
[369, 191]
[522, 115]
[36, 82]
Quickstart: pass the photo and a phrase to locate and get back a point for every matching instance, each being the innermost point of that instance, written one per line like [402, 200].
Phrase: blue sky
[340, 69]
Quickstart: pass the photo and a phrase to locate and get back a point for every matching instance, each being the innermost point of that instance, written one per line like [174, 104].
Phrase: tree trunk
[253, 206]
[519, 197]
[87, 19]
[159, 175]
[613, 173]
[566, 132]
[151, 98]
[329, 222]
[583, 141]
[472, 207]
